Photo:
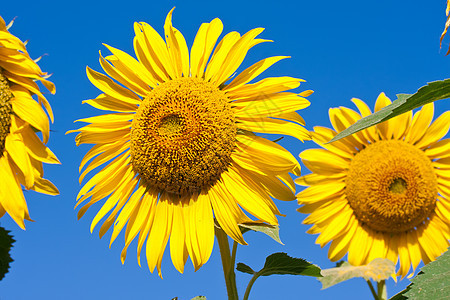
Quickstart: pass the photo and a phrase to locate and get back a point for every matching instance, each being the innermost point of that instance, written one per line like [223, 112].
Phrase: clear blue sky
[343, 49]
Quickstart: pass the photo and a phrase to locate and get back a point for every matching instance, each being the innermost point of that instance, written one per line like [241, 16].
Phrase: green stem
[233, 254]
[372, 289]
[382, 293]
[250, 284]
[227, 263]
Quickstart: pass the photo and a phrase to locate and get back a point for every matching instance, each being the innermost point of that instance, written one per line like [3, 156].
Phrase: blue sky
[343, 49]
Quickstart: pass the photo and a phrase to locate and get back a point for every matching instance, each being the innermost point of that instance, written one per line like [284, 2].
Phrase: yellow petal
[151, 51]
[131, 70]
[261, 149]
[440, 149]
[385, 128]
[148, 224]
[251, 72]
[128, 71]
[265, 86]
[274, 126]
[177, 48]
[420, 123]
[319, 192]
[36, 148]
[205, 227]
[159, 234]
[17, 151]
[269, 105]
[227, 213]
[204, 42]
[371, 132]
[178, 250]
[236, 56]
[109, 87]
[30, 111]
[324, 158]
[11, 196]
[253, 200]
[105, 102]
[438, 129]
[220, 53]
[130, 208]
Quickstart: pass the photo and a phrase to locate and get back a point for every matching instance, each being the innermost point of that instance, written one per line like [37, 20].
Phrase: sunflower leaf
[282, 264]
[378, 269]
[199, 298]
[433, 281]
[433, 91]
[241, 267]
[6, 242]
[271, 230]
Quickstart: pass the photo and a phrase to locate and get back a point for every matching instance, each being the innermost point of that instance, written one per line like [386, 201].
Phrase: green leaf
[270, 230]
[199, 298]
[282, 264]
[378, 269]
[241, 267]
[6, 242]
[433, 282]
[433, 91]
[401, 295]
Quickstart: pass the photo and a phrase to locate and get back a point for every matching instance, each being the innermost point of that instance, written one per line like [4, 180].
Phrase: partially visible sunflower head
[180, 148]
[21, 150]
[382, 192]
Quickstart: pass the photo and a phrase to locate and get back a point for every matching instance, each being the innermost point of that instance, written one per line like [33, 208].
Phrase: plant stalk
[228, 262]
[372, 289]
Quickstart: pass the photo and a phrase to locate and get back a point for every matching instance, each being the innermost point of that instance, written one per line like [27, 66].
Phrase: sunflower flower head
[180, 148]
[381, 192]
[21, 151]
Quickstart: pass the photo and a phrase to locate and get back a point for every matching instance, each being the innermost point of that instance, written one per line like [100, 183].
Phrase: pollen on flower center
[171, 125]
[398, 186]
[182, 136]
[5, 111]
[391, 186]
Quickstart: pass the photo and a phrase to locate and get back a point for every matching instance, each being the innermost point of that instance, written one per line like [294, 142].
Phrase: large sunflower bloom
[21, 151]
[382, 192]
[182, 144]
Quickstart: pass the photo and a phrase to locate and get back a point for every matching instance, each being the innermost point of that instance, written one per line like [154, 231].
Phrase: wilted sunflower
[181, 144]
[381, 192]
[447, 24]
[21, 151]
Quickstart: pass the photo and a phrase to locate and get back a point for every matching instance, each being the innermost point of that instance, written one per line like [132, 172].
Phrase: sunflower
[180, 148]
[21, 151]
[382, 192]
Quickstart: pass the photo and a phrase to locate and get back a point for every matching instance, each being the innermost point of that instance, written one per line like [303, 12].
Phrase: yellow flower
[21, 151]
[382, 192]
[181, 145]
